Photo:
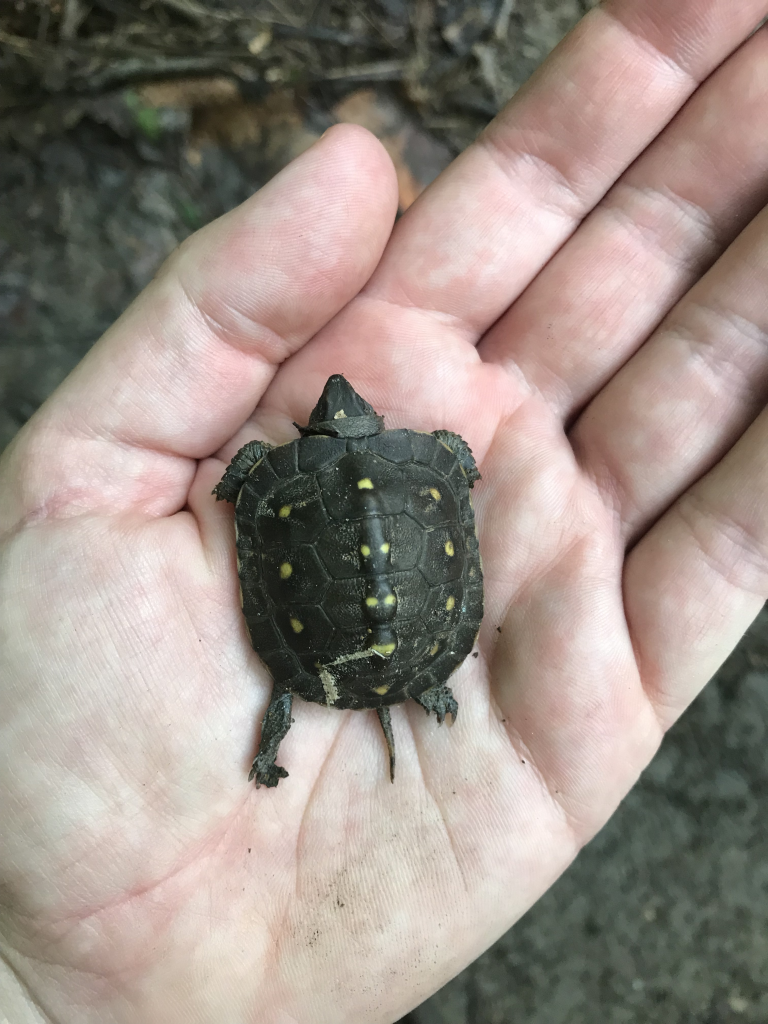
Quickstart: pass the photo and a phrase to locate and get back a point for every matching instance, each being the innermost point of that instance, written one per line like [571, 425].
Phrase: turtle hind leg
[276, 723]
[462, 451]
[386, 725]
[440, 700]
[228, 488]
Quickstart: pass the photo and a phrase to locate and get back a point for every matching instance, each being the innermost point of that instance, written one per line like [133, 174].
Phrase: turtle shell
[359, 566]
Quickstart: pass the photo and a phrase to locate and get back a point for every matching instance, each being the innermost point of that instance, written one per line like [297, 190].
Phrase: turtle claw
[440, 700]
[266, 774]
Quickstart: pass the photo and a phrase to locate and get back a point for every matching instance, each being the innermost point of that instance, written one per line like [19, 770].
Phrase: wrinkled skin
[583, 296]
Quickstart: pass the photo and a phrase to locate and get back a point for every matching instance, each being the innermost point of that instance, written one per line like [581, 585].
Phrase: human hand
[604, 356]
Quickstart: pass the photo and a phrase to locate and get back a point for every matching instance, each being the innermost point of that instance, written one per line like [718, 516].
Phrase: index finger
[182, 369]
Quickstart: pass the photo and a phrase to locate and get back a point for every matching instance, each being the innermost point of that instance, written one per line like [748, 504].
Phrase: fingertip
[358, 161]
[354, 142]
[352, 162]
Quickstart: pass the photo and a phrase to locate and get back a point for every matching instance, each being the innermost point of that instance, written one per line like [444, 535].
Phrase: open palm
[582, 296]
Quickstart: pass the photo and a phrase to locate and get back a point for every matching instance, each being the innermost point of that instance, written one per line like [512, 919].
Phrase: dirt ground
[120, 135]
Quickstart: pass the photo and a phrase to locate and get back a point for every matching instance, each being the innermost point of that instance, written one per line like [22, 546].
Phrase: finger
[478, 236]
[658, 229]
[184, 366]
[698, 579]
[689, 393]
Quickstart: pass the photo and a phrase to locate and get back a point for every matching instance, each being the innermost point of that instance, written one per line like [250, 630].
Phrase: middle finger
[479, 235]
[660, 227]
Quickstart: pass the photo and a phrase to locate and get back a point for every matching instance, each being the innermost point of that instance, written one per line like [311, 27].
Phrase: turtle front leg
[276, 723]
[440, 700]
[462, 451]
[228, 488]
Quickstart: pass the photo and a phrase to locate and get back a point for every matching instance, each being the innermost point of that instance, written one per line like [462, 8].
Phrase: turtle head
[341, 412]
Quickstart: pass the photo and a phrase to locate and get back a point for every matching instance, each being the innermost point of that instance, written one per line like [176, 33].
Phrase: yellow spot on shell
[366, 484]
[365, 550]
[384, 549]
[449, 548]
[285, 570]
[371, 601]
[382, 689]
[340, 415]
[450, 604]
[385, 649]
[434, 648]
[390, 599]
[435, 493]
[297, 625]
[285, 511]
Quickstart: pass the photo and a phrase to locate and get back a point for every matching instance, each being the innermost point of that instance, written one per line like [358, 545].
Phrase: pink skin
[566, 296]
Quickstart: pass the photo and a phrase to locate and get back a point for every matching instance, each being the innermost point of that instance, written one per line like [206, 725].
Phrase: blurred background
[127, 124]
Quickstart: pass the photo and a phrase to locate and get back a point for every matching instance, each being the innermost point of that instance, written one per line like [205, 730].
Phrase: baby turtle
[359, 567]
